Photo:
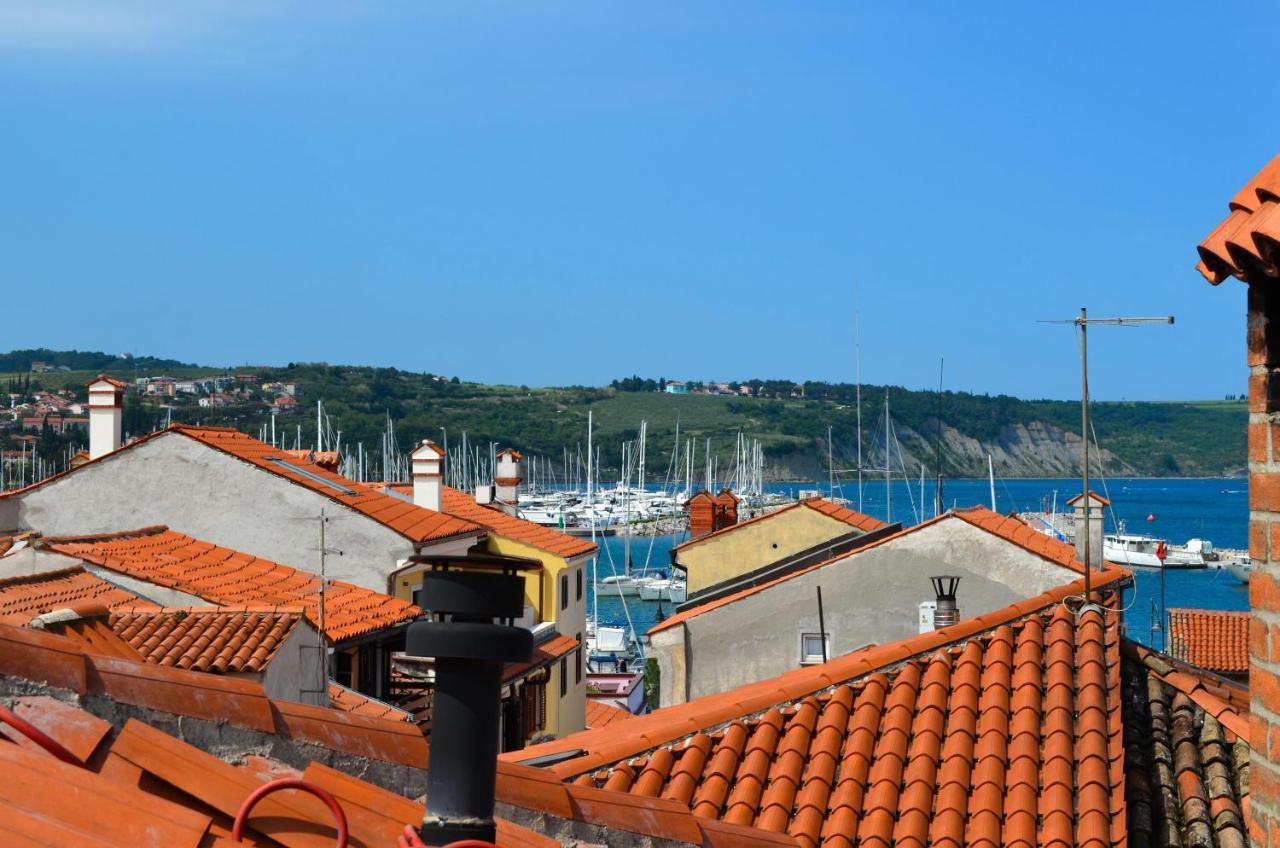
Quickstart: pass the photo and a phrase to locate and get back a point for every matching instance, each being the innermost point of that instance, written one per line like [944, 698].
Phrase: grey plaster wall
[29, 561]
[197, 490]
[871, 596]
[294, 673]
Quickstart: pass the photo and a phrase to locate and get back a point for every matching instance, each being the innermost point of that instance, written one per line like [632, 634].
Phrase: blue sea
[1175, 509]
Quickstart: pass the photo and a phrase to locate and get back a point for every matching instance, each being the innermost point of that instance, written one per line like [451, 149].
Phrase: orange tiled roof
[23, 598]
[462, 505]
[600, 713]
[1006, 527]
[351, 701]
[852, 517]
[1245, 244]
[1214, 639]
[209, 790]
[544, 653]
[1004, 732]
[227, 577]
[412, 522]
[215, 640]
[1008, 730]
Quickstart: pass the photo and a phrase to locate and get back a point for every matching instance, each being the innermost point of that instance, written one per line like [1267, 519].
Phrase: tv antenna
[1083, 322]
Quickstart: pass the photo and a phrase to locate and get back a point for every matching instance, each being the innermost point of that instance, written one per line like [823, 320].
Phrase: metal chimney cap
[944, 586]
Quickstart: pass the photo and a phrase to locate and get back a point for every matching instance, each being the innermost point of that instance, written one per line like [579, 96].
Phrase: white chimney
[428, 474]
[106, 404]
[1093, 537]
[507, 479]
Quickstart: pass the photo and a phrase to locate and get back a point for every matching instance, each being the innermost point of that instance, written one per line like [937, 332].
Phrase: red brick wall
[1264, 548]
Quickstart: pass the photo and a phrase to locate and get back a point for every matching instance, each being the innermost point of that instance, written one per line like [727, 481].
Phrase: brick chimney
[507, 479]
[702, 509]
[428, 474]
[106, 406]
[726, 509]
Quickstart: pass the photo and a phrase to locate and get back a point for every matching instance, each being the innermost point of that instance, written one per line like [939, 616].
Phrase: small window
[577, 678]
[579, 579]
[564, 676]
[564, 591]
[811, 648]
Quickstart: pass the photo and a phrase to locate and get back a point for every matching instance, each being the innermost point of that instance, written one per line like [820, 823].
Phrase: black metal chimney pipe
[947, 612]
[464, 596]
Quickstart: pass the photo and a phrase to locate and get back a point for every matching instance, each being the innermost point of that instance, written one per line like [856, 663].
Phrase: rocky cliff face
[1019, 450]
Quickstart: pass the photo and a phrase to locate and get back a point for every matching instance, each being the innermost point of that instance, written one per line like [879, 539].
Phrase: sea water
[1175, 509]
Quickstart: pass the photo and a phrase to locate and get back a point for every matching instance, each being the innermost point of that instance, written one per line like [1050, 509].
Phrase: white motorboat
[664, 590]
[1145, 551]
[1240, 568]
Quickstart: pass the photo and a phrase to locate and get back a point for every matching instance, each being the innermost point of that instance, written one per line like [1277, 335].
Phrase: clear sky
[553, 193]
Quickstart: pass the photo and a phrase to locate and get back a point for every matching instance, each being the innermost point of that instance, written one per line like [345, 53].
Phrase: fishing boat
[1147, 552]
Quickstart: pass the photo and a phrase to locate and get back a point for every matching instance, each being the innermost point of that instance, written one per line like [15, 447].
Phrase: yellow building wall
[755, 545]
[566, 714]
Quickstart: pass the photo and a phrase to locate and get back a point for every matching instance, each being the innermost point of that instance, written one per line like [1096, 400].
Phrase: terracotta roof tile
[227, 577]
[853, 518]
[1010, 529]
[600, 713]
[414, 523]
[1246, 243]
[994, 732]
[23, 598]
[210, 639]
[464, 506]
[1217, 640]
[351, 701]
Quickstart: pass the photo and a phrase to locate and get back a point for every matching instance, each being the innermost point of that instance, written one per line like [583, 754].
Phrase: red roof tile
[966, 736]
[23, 598]
[351, 701]
[227, 577]
[462, 505]
[414, 523]
[853, 518]
[1246, 243]
[211, 639]
[1008, 528]
[1213, 639]
[600, 713]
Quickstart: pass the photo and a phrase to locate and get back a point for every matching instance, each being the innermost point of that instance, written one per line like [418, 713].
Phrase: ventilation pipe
[428, 474]
[473, 602]
[106, 406]
[946, 613]
[507, 479]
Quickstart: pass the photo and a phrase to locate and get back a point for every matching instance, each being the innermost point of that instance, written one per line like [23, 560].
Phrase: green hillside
[1149, 438]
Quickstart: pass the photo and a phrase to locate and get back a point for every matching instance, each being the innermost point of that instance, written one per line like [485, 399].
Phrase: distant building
[677, 387]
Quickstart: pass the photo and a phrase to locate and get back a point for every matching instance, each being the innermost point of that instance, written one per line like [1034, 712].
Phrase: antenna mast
[1083, 323]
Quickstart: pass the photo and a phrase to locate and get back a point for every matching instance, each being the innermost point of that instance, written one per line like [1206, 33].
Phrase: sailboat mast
[857, 371]
[991, 478]
[888, 484]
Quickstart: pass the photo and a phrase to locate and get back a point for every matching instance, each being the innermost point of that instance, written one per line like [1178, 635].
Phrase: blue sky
[550, 193]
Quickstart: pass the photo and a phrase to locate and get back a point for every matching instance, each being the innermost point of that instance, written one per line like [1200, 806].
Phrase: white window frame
[814, 659]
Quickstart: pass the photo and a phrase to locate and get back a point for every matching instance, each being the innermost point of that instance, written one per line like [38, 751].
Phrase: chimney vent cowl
[944, 589]
[470, 634]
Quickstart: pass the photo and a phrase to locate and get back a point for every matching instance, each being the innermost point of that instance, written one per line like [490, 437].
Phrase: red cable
[39, 737]
[237, 830]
